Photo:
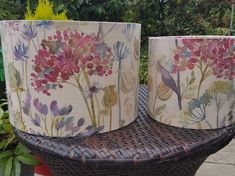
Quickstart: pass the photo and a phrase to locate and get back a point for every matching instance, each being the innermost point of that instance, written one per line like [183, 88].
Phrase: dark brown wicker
[143, 148]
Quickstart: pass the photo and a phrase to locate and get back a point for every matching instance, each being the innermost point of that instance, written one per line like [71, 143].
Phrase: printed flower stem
[98, 107]
[199, 87]
[38, 40]
[155, 98]
[119, 92]
[110, 122]
[154, 104]
[45, 125]
[31, 117]
[109, 30]
[20, 106]
[93, 110]
[13, 61]
[26, 64]
[132, 58]
[135, 92]
[79, 86]
[92, 98]
[22, 65]
[26, 75]
[62, 81]
[204, 75]
[86, 77]
[34, 45]
[217, 116]
[208, 123]
[86, 102]
[52, 123]
[179, 91]
[26, 71]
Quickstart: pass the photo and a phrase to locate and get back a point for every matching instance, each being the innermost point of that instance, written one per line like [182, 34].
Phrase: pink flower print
[64, 55]
[218, 54]
[182, 60]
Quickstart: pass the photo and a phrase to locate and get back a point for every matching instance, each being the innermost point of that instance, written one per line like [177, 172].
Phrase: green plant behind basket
[2, 78]
[44, 11]
[12, 153]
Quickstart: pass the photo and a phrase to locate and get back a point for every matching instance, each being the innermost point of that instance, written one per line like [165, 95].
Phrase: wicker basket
[143, 148]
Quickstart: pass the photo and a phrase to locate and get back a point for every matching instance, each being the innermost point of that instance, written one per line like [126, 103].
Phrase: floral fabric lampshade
[70, 78]
[191, 81]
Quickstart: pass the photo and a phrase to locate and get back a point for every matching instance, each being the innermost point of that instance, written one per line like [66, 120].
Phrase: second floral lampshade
[191, 81]
[67, 78]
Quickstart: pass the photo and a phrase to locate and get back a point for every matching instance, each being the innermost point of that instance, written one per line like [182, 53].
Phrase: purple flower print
[75, 129]
[69, 120]
[53, 120]
[54, 108]
[26, 107]
[90, 131]
[20, 51]
[70, 128]
[59, 125]
[65, 110]
[44, 24]
[36, 120]
[81, 122]
[101, 49]
[42, 108]
[29, 32]
[92, 89]
[68, 54]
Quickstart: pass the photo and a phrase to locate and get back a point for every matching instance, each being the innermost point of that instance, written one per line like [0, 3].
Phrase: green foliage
[2, 78]
[180, 17]
[43, 11]
[12, 153]
[158, 17]
[143, 66]
[96, 10]
[11, 9]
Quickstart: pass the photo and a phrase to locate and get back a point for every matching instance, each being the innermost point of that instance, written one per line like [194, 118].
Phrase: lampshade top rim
[74, 21]
[191, 37]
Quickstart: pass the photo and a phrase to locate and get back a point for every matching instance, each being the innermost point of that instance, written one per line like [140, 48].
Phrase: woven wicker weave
[143, 148]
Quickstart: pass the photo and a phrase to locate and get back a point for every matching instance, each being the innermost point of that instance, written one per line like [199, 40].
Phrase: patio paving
[221, 163]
